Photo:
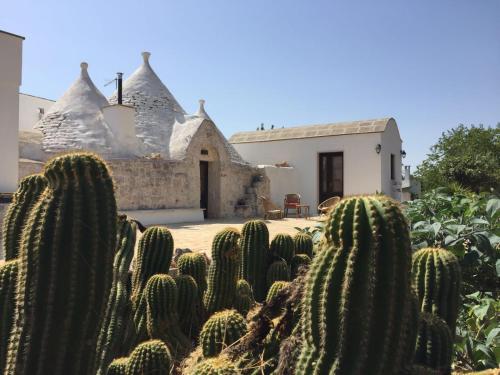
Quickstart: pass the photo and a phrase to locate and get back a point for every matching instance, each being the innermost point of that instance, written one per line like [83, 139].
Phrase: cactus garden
[84, 292]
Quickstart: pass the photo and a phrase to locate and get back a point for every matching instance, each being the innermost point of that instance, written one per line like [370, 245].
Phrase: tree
[465, 156]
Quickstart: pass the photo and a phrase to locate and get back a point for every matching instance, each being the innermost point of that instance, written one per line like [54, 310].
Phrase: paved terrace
[198, 236]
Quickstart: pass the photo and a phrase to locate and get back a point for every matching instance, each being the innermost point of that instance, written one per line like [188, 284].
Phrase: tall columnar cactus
[356, 300]
[154, 255]
[298, 262]
[275, 289]
[282, 246]
[118, 367]
[113, 328]
[434, 343]
[162, 321]
[223, 271]
[150, 357]
[277, 271]
[255, 256]
[216, 366]
[66, 267]
[436, 279]
[244, 297]
[303, 243]
[195, 265]
[221, 329]
[29, 191]
[189, 305]
[8, 280]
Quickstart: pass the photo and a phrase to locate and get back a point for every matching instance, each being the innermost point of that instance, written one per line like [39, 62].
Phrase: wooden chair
[327, 205]
[270, 209]
[291, 201]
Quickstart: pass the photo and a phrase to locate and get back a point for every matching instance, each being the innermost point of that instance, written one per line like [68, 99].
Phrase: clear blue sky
[430, 64]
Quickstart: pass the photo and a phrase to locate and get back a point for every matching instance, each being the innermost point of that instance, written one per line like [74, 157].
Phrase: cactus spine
[65, 271]
[299, 261]
[8, 280]
[303, 244]
[278, 271]
[195, 265]
[29, 191]
[221, 329]
[356, 301]
[255, 256]
[282, 246]
[244, 297]
[154, 255]
[216, 366]
[275, 289]
[189, 305]
[162, 321]
[223, 271]
[118, 367]
[436, 279]
[150, 357]
[113, 327]
[434, 343]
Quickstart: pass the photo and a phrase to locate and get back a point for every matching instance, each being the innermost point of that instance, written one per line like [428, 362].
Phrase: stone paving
[198, 236]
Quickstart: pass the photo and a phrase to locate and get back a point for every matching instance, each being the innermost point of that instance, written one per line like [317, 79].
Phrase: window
[393, 167]
[41, 112]
[204, 152]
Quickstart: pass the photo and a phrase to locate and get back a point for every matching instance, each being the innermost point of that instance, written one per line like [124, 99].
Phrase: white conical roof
[76, 121]
[156, 108]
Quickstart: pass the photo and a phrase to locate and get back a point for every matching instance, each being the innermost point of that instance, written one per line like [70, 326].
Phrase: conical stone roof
[156, 109]
[76, 121]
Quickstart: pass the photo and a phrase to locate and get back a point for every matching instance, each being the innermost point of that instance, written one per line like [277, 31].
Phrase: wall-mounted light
[378, 147]
[403, 154]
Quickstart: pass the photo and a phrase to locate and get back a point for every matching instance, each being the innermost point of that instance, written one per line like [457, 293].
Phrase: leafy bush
[478, 334]
[465, 223]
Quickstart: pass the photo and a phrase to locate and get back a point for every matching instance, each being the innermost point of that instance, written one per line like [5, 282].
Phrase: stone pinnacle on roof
[201, 110]
[76, 121]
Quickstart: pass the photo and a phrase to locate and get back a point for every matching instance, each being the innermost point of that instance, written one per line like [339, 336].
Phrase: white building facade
[342, 159]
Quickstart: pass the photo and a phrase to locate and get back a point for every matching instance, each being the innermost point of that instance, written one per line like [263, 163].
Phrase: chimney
[119, 79]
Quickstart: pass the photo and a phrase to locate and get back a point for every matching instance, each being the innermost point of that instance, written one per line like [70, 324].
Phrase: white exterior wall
[10, 80]
[121, 121]
[283, 181]
[391, 144]
[29, 112]
[362, 165]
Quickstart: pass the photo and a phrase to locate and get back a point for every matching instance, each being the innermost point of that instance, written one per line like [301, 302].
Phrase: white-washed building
[340, 159]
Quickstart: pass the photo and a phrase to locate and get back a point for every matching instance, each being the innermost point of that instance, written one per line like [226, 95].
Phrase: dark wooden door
[204, 187]
[331, 175]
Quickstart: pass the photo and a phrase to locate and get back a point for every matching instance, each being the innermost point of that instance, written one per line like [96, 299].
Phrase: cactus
[434, 343]
[195, 265]
[244, 297]
[255, 256]
[8, 280]
[282, 246]
[189, 305]
[221, 329]
[216, 366]
[275, 289]
[303, 243]
[29, 191]
[278, 271]
[223, 272]
[66, 265]
[118, 367]
[113, 329]
[356, 300]
[150, 357]
[162, 321]
[298, 262]
[436, 279]
[154, 255]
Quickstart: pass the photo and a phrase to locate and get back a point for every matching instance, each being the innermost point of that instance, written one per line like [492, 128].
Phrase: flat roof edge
[11, 34]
